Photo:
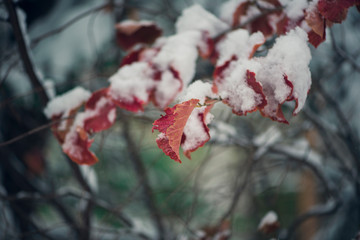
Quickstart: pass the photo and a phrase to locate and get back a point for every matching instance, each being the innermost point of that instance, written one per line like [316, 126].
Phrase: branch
[351, 140]
[57, 30]
[317, 211]
[70, 193]
[329, 208]
[342, 53]
[18, 177]
[23, 50]
[312, 167]
[143, 178]
[238, 191]
[33, 131]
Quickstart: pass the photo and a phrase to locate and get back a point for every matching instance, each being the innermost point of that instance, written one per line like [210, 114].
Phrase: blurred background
[307, 172]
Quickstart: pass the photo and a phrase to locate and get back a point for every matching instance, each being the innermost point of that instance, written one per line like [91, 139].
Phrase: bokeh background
[307, 172]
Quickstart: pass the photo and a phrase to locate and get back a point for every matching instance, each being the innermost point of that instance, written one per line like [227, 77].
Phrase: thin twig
[143, 177]
[342, 53]
[33, 131]
[23, 49]
[61, 28]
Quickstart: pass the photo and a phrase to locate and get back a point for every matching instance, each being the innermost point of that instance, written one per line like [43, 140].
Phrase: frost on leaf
[100, 112]
[129, 33]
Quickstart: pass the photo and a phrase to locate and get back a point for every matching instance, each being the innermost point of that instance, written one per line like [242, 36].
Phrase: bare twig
[342, 53]
[33, 131]
[317, 211]
[61, 28]
[239, 189]
[143, 177]
[23, 50]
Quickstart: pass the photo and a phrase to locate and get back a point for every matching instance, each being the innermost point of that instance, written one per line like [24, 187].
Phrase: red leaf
[136, 105]
[218, 74]
[171, 126]
[240, 11]
[100, 111]
[273, 107]
[256, 86]
[133, 56]
[259, 98]
[206, 49]
[315, 39]
[130, 33]
[262, 24]
[335, 10]
[77, 146]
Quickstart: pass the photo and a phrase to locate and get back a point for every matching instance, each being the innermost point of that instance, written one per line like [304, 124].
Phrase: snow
[290, 55]
[23, 26]
[238, 43]
[269, 218]
[198, 90]
[130, 26]
[180, 52]
[227, 10]
[301, 149]
[222, 132]
[235, 88]
[194, 130]
[197, 18]
[68, 146]
[90, 177]
[268, 138]
[167, 88]
[49, 87]
[271, 136]
[64, 103]
[294, 9]
[112, 115]
[132, 80]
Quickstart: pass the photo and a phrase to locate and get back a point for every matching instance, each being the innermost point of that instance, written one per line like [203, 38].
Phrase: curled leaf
[171, 127]
[129, 33]
[100, 111]
[77, 145]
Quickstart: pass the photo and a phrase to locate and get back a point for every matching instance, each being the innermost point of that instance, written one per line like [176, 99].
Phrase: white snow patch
[227, 10]
[132, 80]
[222, 132]
[49, 87]
[90, 177]
[194, 130]
[180, 52]
[294, 9]
[197, 90]
[64, 103]
[238, 43]
[197, 18]
[269, 218]
[112, 115]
